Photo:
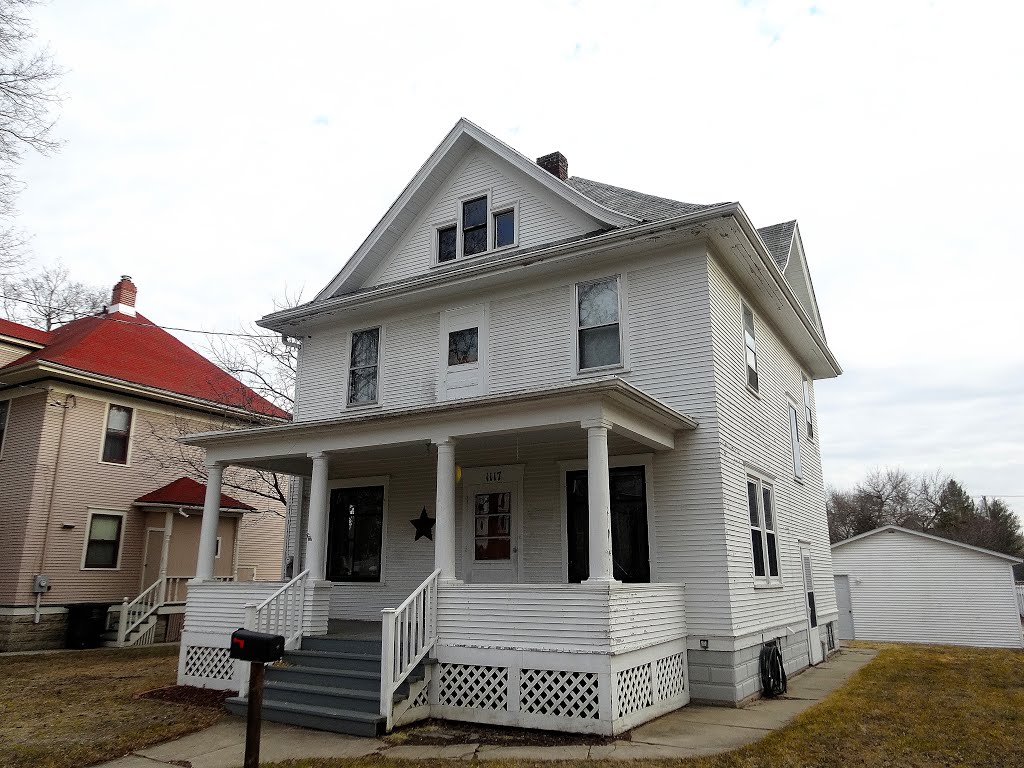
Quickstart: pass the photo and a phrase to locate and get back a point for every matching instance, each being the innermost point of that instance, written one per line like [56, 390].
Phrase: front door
[630, 547]
[845, 607]
[151, 563]
[492, 502]
[813, 635]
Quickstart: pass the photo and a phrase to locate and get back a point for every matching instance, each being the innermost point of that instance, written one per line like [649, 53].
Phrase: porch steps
[332, 684]
[109, 637]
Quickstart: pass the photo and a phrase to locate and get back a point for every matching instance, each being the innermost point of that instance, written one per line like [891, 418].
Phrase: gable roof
[779, 239]
[186, 492]
[429, 178]
[898, 529]
[21, 332]
[636, 204]
[134, 350]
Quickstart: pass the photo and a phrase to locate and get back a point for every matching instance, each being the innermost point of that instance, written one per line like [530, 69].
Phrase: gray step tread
[325, 690]
[342, 655]
[307, 709]
[324, 672]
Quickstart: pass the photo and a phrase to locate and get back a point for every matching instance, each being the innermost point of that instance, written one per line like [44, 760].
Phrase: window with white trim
[103, 543]
[477, 228]
[763, 531]
[750, 344]
[504, 228]
[364, 358]
[117, 436]
[808, 416]
[599, 340]
[5, 412]
[794, 429]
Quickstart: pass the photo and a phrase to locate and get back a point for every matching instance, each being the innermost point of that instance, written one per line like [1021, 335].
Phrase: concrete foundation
[733, 677]
[19, 631]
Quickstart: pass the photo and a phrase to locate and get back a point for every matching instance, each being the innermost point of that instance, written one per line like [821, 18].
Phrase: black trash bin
[86, 624]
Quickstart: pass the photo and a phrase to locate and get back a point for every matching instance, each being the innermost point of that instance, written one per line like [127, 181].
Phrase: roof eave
[930, 536]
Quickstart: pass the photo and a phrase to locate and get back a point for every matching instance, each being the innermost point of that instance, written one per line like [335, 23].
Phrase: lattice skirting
[559, 694]
[472, 686]
[203, 661]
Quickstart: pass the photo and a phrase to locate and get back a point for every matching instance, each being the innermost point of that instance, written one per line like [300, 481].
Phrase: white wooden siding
[542, 217]
[755, 436]
[906, 588]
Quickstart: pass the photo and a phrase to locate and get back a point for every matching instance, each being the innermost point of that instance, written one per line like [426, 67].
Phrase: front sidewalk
[688, 732]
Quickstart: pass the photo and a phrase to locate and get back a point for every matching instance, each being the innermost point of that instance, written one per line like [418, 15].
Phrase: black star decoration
[424, 526]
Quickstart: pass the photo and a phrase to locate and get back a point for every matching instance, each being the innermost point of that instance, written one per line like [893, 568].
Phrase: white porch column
[599, 503]
[211, 517]
[444, 511]
[316, 527]
[165, 546]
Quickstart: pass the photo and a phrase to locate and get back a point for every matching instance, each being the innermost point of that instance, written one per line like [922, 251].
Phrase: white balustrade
[281, 613]
[136, 612]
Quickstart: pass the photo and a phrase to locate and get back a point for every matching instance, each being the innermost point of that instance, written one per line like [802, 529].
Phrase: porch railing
[408, 632]
[281, 613]
[135, 613]
[177, 587]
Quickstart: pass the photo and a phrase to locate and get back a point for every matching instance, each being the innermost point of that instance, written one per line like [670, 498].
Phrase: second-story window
[794, 428]
[363, 364]
[5, 410]
[117, 436]
[763, 538]
[599, 340]
[474, 226]
[750, 342]
[808, 416]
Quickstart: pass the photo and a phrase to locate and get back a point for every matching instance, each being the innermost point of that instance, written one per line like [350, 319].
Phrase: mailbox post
[258, 648]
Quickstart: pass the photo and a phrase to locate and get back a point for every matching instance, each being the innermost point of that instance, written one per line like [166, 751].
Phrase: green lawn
[66, 710]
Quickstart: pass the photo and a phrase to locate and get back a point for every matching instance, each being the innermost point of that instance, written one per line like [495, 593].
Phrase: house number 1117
[493, 477]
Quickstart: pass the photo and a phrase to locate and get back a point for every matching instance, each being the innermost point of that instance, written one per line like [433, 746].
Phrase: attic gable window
[447, 240]
[474, 226]
[504, 228]
[117, 437]
[363, 365]
[477, 228]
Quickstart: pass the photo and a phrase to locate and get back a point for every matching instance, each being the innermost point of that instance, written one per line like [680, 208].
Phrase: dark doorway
[630, 549]
[355, 534]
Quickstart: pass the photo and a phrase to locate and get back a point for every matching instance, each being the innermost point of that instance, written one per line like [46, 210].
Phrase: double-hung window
[474, 226]
[808, 416]
[5, 410]
[476, 229]
[763, 531]
[363, 367]
[794, 429]
[117, 436]
[504, 228]
[750, 342]
[598, 338]
[103, 545]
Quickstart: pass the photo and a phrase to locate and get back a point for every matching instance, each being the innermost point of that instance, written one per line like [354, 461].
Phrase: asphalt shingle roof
[778, 238]
[631, 203]
[188, 493]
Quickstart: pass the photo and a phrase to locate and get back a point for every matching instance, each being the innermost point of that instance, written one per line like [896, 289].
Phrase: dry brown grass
[71, 709]
[912, 707]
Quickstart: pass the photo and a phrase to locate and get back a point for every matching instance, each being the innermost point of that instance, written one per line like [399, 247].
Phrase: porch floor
[347, 629]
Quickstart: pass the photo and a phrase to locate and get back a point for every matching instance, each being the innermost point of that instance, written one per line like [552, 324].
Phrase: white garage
[898, 585]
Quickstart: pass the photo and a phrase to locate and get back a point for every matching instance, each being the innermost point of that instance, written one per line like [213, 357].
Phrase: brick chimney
[555, 164]
[123, 298]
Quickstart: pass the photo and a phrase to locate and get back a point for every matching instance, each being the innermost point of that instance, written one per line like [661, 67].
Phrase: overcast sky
[219, 152]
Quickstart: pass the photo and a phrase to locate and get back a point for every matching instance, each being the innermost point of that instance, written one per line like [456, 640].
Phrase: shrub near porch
[66, 710]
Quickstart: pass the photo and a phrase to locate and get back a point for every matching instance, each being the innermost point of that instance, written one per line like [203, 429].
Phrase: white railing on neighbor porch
[281, 613]
[1020, 598]
[177, 587]
[135, 613]
[408, 632]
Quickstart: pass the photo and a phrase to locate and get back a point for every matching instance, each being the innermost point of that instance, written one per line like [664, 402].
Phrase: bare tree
[49, 297]
[28, 96]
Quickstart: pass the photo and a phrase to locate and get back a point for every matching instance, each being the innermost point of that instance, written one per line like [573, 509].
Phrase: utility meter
[41, 583]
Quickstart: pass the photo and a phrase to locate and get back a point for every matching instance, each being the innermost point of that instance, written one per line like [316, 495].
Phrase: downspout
[69, 402]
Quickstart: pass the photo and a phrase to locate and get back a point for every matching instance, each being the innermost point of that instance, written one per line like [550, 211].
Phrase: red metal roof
[187, 492]
[134, 350]
[19, 331]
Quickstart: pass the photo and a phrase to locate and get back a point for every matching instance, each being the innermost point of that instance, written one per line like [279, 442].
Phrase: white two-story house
[560, 461]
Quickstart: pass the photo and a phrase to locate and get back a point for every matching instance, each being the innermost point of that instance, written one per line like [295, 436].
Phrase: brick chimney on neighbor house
[555, 164]
[123, 298]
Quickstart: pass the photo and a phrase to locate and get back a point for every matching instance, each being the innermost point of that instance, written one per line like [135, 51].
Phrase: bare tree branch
[49, 297]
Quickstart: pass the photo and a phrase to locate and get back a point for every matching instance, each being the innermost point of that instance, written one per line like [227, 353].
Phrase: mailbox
[259, 647]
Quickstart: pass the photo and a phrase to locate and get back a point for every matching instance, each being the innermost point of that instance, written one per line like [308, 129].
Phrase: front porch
[528, 498]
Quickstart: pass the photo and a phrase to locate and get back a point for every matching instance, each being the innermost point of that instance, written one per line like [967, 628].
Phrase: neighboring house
[568, 431]
[898, 585]
[92, 478]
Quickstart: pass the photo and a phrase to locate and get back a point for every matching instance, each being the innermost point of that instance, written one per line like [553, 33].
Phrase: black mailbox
[260, 647]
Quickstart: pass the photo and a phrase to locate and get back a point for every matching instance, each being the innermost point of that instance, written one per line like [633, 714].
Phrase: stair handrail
[282, 612]
[408, 632]
[142, 607]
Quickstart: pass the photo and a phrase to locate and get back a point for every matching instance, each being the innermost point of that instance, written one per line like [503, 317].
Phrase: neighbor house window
[794, 429]
[763, 537]
[463, 346]
[103, 546]
[750, 342]
[5, 410]
[504, 228]
[807, 407]
[118, 433]
[362, 370]
[598, 317]
[474, 226]
[447, 240]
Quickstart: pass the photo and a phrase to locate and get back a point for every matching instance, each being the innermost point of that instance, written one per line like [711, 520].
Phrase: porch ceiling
[554, 413]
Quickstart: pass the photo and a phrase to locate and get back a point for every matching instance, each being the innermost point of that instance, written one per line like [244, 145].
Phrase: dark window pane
[119, 426]
[446, 240]
[758, 547]
[474, 213]
[599, 303]
[752, 379]
[769, 511]
[493, 549]
[599, 346]
[577, 527]
[5, 407]
[462, 346]
[364, 347]
[748, 324]
[474, 241]
[115, 448]
[630, 546]
[104, 541]
[355, 534]
[773, 556]
[504, 229]
[752, 504]
[492, 526]
[814, 611]
[362, 385]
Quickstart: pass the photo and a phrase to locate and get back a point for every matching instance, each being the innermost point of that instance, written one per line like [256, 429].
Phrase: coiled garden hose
[773, 673]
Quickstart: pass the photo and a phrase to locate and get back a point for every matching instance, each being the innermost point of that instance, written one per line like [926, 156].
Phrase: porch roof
[607, 401]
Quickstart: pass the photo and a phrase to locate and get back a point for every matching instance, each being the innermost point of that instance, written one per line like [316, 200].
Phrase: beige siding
[11, 352]
[906, 588]
[755, 432]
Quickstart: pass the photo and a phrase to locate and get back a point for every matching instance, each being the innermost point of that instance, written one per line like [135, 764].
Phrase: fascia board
[466, 128]
[798, 243]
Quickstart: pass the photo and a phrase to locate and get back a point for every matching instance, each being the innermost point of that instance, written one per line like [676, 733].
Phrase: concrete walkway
[688, 732]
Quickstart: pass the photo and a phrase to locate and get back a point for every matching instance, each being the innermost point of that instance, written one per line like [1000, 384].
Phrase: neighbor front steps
[332, 684]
